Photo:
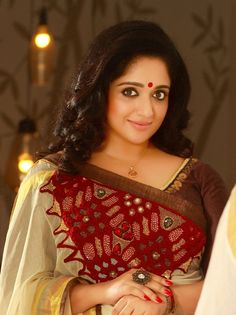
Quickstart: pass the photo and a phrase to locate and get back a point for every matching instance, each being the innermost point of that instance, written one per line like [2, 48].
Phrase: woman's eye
[129, 92]
[160, 95]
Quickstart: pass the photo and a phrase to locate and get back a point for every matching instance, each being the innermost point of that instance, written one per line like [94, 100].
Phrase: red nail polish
[168, 282]
[168, 292]
[147, 298]
[159, 300]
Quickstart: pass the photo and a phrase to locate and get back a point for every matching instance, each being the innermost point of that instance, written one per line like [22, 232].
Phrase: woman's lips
[140, 124]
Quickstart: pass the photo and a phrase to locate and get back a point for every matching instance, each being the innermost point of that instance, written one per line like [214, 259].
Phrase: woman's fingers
[158, 279]
[159, 288]
[131, 305]
[157, 284]
[154, 289]
[122, 307]
[141, 291]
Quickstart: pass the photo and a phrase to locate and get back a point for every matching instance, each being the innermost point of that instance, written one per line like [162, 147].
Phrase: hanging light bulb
[42, 50]
[27, 130]
[25, 162]
[42, 38]
[22, 156]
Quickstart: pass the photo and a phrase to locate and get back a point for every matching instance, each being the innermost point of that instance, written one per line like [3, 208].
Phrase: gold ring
[141, 276]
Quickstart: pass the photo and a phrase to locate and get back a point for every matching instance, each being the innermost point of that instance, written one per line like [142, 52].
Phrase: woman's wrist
[85, 296]
[170, 303]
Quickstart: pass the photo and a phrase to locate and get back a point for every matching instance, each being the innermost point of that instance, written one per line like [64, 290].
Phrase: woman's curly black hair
[81, 124]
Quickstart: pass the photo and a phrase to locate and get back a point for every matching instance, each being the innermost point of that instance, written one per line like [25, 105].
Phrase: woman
[120, 218]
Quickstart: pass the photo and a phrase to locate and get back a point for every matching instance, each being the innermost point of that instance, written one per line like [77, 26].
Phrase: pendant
[132, 172]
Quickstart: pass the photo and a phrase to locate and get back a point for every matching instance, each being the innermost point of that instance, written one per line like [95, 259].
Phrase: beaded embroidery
[108, 231]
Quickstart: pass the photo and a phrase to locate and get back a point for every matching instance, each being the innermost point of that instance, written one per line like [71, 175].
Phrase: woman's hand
[130, 304]
[124, 285]
[85, 296]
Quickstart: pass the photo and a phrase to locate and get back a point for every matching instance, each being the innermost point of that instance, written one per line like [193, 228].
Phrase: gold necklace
[132, 169]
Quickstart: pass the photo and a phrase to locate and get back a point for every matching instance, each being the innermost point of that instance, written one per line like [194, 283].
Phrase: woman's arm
[186, 296]
[85, 296]
[214, 196]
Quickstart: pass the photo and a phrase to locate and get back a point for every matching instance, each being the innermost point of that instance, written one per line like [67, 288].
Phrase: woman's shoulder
[42, 165]
[203, 171]
[39, 173]
[207, 178]
[193, 171]
[47, 163]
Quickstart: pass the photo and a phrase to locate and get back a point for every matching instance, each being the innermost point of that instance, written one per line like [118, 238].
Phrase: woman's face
[138, 101]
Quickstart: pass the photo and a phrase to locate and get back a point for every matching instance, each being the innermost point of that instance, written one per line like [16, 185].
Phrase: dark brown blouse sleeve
[214, 197]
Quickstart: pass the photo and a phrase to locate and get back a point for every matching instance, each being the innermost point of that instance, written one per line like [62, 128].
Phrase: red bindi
[150, 84]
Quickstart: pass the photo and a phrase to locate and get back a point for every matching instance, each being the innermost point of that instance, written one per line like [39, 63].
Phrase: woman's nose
[145, 107]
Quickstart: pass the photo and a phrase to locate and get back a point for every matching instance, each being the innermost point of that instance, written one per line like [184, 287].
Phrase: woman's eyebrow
[162, 86]
[131, 83]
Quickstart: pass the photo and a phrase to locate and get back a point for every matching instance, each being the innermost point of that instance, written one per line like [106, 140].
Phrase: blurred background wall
[202, 30]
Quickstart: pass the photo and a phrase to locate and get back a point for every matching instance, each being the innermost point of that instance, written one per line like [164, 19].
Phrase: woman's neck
[125, 151]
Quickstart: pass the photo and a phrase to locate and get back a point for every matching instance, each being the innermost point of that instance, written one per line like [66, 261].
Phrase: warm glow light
[25, 163]
[42, 40]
